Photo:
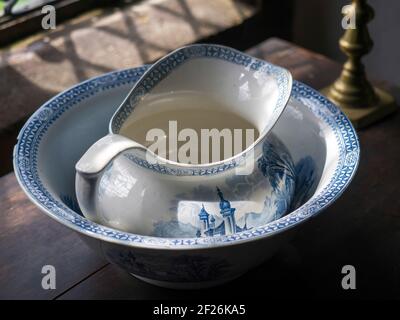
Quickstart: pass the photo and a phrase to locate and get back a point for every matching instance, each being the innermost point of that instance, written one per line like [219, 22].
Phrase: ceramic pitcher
[122, 183]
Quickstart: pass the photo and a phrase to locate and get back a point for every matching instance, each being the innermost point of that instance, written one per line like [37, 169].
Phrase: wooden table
[361, 229]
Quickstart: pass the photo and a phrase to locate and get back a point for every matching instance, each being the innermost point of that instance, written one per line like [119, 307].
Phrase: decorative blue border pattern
[181, 171]
[162, 68]
[29, 139]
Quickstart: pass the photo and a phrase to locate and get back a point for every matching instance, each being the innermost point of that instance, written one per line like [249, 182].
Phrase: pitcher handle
[90, 166]
[102, 152]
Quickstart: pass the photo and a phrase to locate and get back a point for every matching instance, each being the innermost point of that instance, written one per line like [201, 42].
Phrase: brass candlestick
[362, 103]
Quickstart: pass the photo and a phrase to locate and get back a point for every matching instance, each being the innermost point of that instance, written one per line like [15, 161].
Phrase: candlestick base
[364, 116]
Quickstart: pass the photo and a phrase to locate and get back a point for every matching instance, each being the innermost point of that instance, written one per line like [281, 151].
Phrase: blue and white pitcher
[123, 184]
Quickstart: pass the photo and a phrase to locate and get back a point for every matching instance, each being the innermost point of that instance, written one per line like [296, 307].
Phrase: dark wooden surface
[362, 229]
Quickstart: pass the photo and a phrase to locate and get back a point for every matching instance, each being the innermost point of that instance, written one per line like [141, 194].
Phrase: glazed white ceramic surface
[59, 133]
[118, 186]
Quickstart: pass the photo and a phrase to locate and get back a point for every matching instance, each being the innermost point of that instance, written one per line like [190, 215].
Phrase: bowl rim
[27, 146]
[165, 66]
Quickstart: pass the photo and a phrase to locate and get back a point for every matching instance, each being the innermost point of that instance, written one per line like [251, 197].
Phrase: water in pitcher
[189, 128]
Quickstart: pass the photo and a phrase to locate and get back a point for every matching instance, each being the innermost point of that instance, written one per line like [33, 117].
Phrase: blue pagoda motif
[203, 216]
[226, 227]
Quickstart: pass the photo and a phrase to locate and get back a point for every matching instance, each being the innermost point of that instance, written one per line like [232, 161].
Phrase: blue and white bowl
[320, 139]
